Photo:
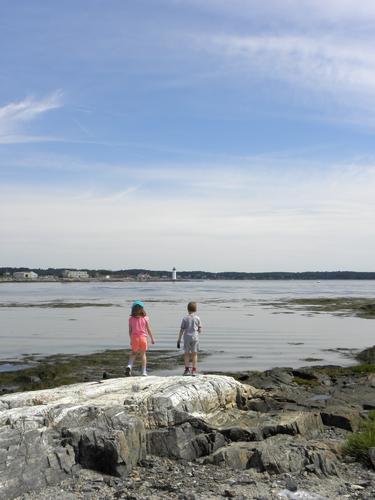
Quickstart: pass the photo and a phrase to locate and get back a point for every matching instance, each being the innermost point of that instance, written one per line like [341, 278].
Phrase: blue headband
[138, 303]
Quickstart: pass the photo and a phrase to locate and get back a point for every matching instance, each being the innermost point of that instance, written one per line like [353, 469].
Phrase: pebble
[357, 487]
[246, 481]
[229, 493]
[291, 484]
[187, 496]
[342, 490]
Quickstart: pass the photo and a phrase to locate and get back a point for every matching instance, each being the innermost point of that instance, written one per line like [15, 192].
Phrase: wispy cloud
[16, 115]
[306, 11]
[321, 64]
[331, 76]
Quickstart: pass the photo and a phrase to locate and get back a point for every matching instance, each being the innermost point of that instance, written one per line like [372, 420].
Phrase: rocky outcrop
[344, 418]
[108, 426]
[367, 355]
[278, 428]
[277, 455]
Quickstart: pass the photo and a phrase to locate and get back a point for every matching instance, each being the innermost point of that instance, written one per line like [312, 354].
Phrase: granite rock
[45, 435]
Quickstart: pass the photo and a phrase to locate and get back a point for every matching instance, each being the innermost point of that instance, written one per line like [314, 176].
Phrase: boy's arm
[180, 337]
[150, 332]
[182, 330]
[199, 326]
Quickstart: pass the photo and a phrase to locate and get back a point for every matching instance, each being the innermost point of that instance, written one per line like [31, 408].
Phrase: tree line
[134, 273]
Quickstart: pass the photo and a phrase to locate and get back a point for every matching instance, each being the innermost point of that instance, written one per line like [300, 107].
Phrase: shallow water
[239, 331]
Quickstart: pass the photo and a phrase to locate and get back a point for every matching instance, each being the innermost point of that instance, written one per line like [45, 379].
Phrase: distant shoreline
[161, 280]
[24, 274]
[94, 280]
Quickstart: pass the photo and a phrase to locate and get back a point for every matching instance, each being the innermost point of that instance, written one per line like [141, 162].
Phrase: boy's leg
[186, 359]
[194, 356]
[194, 360]
[187, 362]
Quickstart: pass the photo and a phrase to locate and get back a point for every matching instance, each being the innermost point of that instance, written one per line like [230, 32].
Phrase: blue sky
[217, 135]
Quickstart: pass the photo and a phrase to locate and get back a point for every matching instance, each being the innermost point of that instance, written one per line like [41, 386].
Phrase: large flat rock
[154, 399]
[108, 426]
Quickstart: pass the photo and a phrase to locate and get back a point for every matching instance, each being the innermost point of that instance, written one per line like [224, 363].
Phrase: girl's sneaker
[144, 374]
[128, 371]
[186, 372]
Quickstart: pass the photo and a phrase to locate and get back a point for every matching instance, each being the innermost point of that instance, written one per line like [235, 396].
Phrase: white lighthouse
[174, 274]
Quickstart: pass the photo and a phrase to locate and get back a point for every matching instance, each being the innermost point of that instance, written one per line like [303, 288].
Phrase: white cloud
[321, 220]
[15, 115]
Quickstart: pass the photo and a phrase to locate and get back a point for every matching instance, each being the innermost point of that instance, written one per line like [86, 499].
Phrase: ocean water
[240, 332]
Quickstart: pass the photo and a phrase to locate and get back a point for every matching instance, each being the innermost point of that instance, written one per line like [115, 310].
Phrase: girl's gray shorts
[191, 343]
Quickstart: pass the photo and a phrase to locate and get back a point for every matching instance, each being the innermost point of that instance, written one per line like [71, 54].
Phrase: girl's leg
[128, 370]
[144, 362]
[132, 357]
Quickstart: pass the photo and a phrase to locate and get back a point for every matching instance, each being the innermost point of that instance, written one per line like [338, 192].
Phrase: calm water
[239, 332]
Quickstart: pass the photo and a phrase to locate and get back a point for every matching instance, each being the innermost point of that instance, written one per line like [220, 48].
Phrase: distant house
[25, 275]
[143, 277]
[75, 275]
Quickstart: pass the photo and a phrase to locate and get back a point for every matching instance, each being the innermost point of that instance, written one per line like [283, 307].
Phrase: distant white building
[143, 277]
[174, 274]
[75, 274]
[25, 275]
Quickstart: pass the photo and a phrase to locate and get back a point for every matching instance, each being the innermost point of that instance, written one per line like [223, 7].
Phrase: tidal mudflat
[35, 372]
[315, 322]
[55, 305]
[360, 307]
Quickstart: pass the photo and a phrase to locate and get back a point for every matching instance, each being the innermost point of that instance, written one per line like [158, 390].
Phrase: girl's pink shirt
[138, 325]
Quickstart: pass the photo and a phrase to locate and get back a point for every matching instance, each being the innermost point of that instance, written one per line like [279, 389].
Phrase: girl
[139, 327]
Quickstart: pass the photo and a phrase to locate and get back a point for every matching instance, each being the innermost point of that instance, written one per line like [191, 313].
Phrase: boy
[191, 327]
